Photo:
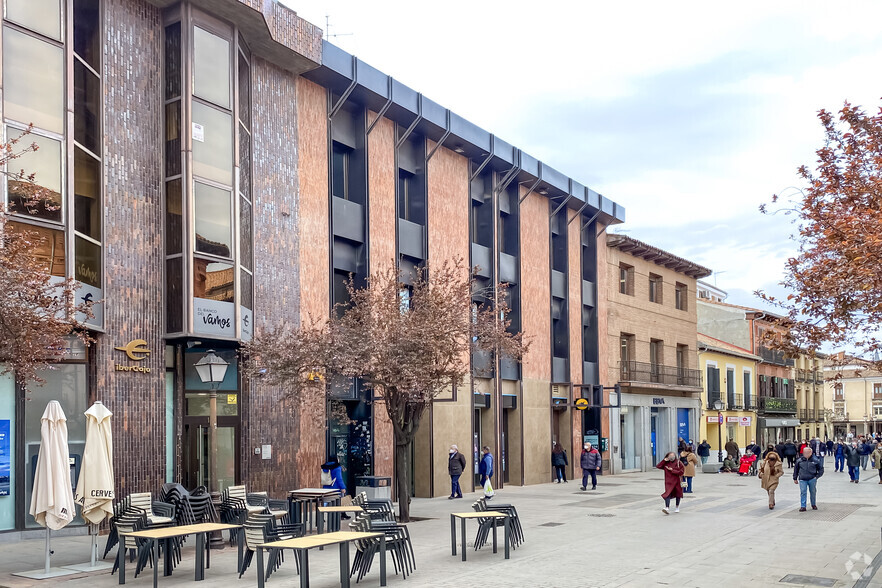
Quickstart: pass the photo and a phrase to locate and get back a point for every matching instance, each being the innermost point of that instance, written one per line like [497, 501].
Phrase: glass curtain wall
[67, 230]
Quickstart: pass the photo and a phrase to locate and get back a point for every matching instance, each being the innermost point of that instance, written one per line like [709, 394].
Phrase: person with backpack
[559, 462]
[590, 461]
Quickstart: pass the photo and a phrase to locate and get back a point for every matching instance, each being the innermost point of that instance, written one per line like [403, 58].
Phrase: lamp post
[718, 406]
[211, 370]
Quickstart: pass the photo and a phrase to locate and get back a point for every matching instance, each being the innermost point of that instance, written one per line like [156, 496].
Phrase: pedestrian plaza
[725, 535]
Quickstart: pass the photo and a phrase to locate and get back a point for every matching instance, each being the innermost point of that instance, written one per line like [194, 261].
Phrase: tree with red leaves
[408, 340]
[38, 311]
[835, 281]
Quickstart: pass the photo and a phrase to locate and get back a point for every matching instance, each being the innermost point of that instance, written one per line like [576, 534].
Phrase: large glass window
[44, 164]
[41, 16]
[33, 81]
[213, 221]
[211, 67]
[213, 281]
[47, 246]
[87, 29]
[174, 220]
[245, 248]
[173, 61]
[212, 144]
[87, 258]
[87, 194]
[87, 108]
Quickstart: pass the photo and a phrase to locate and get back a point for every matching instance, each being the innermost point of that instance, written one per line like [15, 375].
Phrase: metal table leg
[167, 563]
[344, 564]
[304, 568]
[462, 528]
[507, 522]
[121, 560]
[493, 522]
[155, 548]
[453, 534]
[240, 539]
[383, 559]
[200, 557]
[260, 571]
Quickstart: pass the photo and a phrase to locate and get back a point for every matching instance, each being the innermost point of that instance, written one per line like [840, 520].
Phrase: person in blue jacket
[485, 468]
[332, 476]
[839, 456]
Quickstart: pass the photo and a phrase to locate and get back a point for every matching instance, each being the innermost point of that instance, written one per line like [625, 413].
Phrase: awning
[779, 422]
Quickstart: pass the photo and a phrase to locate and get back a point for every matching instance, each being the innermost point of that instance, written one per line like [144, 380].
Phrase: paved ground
[616, 536]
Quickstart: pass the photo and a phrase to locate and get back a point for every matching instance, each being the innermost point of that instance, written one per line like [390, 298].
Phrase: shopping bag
[327, 479]
[488, 489]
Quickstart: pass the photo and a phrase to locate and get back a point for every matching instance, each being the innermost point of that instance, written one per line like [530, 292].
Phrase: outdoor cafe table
[486, 514]
[334, 518]
[315, 496]
[165, 534]
[302, 545]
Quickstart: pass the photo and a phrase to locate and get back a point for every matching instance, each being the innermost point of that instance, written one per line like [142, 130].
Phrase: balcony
[775, 357]
[839, 416]
[735, 401]
[772, 405]
[638, 371]
[732, 401]
[809, 415]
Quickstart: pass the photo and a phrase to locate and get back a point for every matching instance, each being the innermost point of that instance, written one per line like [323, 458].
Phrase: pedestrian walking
[559, 462]
[332, 477]
[732, 449]
[806, 473]
[829, 447]
[455, 467]
[770, 449]
[815, 444]
[839, 456]
[673, 469]
[590, 461]
[790, 453]
[853, 461]
[877, 460]
[704, 451]
[689, 460]
[485, 468]
[769, 473]
[779, 449]
[866, 448]
[681, 444]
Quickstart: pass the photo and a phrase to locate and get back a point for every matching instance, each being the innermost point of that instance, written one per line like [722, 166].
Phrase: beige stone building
[808, 383]
[652, 339]
[855, 398]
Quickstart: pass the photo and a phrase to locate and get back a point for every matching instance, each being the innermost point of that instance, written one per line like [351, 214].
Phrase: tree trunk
[402, 478]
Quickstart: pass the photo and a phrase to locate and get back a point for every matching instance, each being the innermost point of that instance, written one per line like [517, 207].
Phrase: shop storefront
[740, 426]
[646, 427]
[773, 430]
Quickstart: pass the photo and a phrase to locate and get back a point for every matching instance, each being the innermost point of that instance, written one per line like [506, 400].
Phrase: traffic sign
[581, 403]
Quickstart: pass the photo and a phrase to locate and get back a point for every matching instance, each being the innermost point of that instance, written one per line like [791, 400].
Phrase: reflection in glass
[213, 281]
[214, 233]
[45, 165]
[173, 138]
[213, 156]
[174, 222]
[211, 67]
[244, 92]
[47, 246]
[87, 262]
[245, 248]
[227, 404]
[246, 290]
[87, 194]
[87, 38]
[244, 163]
[173, 61]
[174, 302]
[41, 16]
[87, 108]
[33, 81]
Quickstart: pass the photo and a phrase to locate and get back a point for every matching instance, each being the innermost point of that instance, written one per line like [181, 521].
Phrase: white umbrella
[95, 492]
[52, 502]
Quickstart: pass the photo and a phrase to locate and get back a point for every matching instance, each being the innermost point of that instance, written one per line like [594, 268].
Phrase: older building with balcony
[729, 398]
[652, 338]
[808, 382]
[854, 393]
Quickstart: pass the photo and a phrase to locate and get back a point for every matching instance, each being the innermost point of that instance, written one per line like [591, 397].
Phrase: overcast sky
[689, 114]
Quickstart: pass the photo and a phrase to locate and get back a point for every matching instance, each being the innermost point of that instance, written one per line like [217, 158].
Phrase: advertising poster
[5, 457]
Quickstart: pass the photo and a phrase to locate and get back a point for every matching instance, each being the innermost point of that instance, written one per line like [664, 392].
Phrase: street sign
[581, 403]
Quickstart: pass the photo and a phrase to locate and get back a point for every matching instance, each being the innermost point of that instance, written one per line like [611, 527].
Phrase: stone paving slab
[628, 543]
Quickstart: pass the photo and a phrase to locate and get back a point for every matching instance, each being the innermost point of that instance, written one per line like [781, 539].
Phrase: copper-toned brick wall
[574, 275]
[535, 288]
[381, 243]
[133, 244]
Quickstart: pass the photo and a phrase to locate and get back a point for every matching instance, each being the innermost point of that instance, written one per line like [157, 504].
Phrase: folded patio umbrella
[52, 502]
[95, 492]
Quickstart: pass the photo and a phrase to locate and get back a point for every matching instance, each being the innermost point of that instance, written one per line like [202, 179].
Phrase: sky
[688, 114]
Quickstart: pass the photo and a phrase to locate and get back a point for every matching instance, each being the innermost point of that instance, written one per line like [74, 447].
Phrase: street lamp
[719, 406]
[211, 370]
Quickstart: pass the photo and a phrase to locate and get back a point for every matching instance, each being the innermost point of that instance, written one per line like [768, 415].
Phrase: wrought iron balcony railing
[638, 371]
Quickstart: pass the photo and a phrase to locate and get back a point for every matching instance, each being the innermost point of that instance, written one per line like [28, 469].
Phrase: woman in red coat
[673, 468]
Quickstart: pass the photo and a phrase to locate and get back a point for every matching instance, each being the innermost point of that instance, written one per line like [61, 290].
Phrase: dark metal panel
[577, 191]
[348, 220]
[509, 400]
[434, 113]
[336, 59]
[558, 284]
[589, 372]
[509, 370]
[481, 259]
[504, 151]
[529, 165]
[559, 371]
[619, 212]
[607, 206]
[411, 239]
[346, 256]
[554, 178]
[405, 97]
[588, 293]
[508, 268]
[482, 363]
[371, 78]
[593, 199]
[481, 400]
[470, 132]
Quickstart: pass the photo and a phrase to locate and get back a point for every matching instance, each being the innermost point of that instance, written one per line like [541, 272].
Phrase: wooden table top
[484, 514]
[320, 540]
[180, 531]
[353, 508]
[313, 491]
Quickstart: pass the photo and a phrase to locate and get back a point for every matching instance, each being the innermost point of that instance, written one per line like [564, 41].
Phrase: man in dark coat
[732, 449]
[590, 462]
[806, 473]
[866, 448]
[829, 446]
[704, 451]
[853, 461]
[790, 452]
[455, 467]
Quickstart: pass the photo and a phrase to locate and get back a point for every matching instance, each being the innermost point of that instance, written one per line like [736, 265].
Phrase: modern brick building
[219, 167]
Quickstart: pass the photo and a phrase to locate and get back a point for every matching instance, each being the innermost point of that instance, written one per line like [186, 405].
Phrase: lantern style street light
[212, 369]
[719, 406]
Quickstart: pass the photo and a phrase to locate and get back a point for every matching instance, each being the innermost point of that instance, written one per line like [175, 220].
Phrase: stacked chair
[485, 526]
[378, 510]
[137, 512]
[398, 544]
[264, 528]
